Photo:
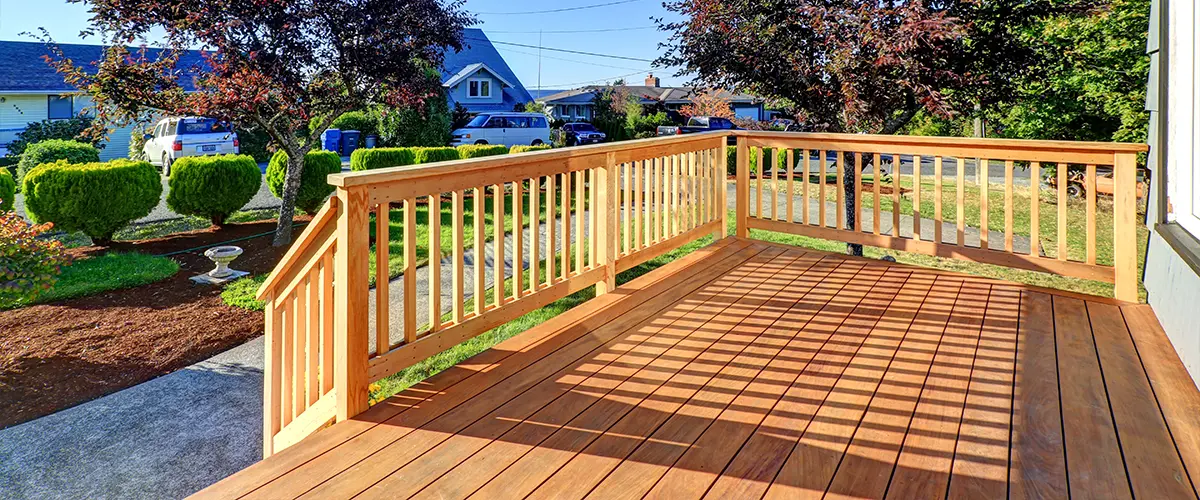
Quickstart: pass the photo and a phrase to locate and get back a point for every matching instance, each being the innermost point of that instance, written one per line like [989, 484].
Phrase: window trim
[479, 86]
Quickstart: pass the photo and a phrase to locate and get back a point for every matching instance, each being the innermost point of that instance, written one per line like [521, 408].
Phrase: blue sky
[559, 70]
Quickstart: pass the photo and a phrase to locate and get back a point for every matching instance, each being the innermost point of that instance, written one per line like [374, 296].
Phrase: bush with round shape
[371, 159]
[95, 198]
[480, 150]
[8, 190]
[432, 155]
[525, 149]
[213, 186]
[54, 150]
[314, 187]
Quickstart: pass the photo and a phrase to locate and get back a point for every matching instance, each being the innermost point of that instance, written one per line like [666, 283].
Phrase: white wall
[17, 110]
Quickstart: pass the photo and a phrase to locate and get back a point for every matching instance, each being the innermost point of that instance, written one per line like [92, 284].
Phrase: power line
[563, 50]
[570, 85]
[551, 11]
[572, 32]
[589, 63]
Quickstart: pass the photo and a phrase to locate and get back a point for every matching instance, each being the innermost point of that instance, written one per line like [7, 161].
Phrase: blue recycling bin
[350, 141]
[331, 140]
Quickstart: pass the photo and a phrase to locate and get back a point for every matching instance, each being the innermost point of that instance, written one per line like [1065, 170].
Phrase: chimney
[651, 80]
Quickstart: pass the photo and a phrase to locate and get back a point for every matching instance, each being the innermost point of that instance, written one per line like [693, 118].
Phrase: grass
[240, 293]
[111, 271]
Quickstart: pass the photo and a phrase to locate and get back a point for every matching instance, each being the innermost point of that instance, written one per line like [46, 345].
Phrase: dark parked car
[699, 124]
[581, 133]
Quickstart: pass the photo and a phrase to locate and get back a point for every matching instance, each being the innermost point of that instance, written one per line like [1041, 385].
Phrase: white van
[507, 128]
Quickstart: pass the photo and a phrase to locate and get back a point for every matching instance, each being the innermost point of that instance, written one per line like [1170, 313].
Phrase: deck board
[752, 370]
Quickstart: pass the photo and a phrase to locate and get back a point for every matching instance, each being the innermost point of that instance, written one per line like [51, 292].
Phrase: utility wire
[562, 50]
[572, 32]
[551, 11]
[572, 85]
[589, 63]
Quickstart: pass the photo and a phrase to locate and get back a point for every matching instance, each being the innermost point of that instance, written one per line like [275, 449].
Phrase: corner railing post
[350, 344]
[271, 377]
[1125, 237]
[743, 187]
[607, 232]
[721, 187]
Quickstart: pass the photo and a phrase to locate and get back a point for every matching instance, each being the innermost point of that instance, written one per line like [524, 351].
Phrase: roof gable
[472, 69]
[26, 71]
[478, 49]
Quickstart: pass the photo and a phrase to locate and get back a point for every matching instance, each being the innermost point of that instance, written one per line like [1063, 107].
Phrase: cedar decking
[748, 370]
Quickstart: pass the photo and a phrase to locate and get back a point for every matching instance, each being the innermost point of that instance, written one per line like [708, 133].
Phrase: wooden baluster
[804, 189]
[916, 209]
[1090, 190]
[593, 217]
[298, 337]
[626, 180]
[821, 189]
[458, 252]
[327, 317]
[675, 214]
[1062, 210]
[382, 274]
[664, 198]
[480, 219]
[286, 373]
[876, 180]
[858, 167]
[581, 251]
[312, 286]
[689, 212]
[565, 256]
[984, 191]
[840, 184]
[535, 194]
[897, 168]
[721, 186]
[272, 375]
[1008, 206]
[654, 199]
[639, 238]
[791, 185]
[518, 258]
[1035, 188]
[434, 203]
[774, 155]
[937, 199]
[959, 201]
[498, 245]
[742, 199]
[551, 224]
[410, 270]
[758, 189]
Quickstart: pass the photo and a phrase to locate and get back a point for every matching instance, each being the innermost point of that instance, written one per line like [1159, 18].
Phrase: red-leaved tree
[708, 103]
[271, 63]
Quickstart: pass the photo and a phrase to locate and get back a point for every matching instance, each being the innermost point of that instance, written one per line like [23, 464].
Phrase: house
[32, 91]
[478, 78]
[576, 104]
[1172, 268]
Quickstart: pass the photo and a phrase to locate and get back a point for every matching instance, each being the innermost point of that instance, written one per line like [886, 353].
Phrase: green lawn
[111, 271]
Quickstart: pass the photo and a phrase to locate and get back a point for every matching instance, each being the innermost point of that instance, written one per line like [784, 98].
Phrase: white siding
[18, 110]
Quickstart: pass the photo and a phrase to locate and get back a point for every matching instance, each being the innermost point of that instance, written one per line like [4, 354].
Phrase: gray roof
[669, 95]
[23, 67]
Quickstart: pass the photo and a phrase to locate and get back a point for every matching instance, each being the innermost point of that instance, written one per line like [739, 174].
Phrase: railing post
[721, 187]
[271, 377]
[351, 343]
[607, 231]
[1125, 227]
[743, 187]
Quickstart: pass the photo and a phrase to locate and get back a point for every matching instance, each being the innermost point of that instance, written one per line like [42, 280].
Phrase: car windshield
[584, 127]
[189, 126]
[478, 121]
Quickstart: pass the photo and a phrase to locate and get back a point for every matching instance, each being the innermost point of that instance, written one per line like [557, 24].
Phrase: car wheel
[571, 140]
[536, 142]
[1075, 190]
[481, 142]
[166, 165]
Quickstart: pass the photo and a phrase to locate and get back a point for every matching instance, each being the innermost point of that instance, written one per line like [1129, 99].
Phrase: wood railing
[514, 233]
[924, 227]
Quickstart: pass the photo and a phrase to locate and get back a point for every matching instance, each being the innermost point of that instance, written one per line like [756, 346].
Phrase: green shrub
[526, 149]
[371, 159]
[314, 187]
[432, 155]
[54, 150]
[480, 150]
[213, 186]
[10, 164]
[8, 190]
[44, 130]
[768, 159]
[31, 263]
[356, 120]
[95, 198]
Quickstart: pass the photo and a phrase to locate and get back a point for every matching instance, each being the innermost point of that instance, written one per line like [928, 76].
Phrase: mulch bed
[54, 356]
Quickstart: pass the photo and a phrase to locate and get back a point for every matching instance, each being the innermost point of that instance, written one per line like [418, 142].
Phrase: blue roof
[23, 69]
[477, 48]
[538, 94]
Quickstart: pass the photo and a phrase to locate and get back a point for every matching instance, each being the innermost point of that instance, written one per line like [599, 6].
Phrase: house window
[1183, 133]
[479, 88]
[59, 107]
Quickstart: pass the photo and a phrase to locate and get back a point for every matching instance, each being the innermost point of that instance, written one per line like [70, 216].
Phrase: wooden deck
[748, 370]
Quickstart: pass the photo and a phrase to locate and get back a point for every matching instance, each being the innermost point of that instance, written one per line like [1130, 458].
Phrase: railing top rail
[910, 140]
[475, 165]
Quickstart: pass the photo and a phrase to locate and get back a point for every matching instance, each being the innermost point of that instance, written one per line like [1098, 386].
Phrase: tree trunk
[287, 207]
[850, 194]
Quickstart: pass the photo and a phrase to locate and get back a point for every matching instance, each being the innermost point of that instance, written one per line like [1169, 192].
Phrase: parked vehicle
[698, 124]
[507, 128]
[175, 138]
[1077, 185]
[581, 133]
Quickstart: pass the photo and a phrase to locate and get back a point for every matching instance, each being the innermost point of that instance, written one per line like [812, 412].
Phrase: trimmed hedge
[526, 149]
[370, 159]
[432, 155]
[731, 159]
[314, 187]
[8, 190]
[480, 150]
[213, 186]
[53, 150]
[95, 198]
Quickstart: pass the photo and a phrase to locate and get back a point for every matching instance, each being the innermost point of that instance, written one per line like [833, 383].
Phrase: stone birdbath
[222, 274]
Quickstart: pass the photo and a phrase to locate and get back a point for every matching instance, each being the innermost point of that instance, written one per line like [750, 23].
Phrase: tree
[708, 103]
[271, 64]
[856, 65]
